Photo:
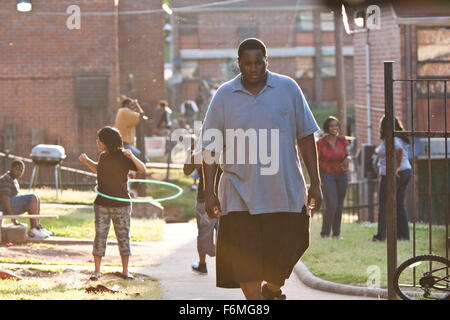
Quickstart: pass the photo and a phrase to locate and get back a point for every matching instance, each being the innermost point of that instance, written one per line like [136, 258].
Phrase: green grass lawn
[79, 223]
[182, 207]
[347, 260]
[68, 196]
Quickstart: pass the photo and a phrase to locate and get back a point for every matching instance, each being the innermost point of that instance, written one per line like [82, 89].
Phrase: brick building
[299, 36]
[60, 85]
[417, 38]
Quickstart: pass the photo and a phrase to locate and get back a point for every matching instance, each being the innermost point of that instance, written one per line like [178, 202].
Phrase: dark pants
[334, 188]
[402, 215]
[259, 247]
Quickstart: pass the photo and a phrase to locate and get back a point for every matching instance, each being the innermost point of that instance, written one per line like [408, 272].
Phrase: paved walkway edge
[312, 281]
[73, 241]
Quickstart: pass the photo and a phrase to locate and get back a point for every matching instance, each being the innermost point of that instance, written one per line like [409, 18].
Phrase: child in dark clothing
[112, 175]
[206, 225]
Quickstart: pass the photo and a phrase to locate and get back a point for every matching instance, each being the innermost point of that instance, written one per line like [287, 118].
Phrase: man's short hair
[17, 163]
[126, 102]
[251, 44]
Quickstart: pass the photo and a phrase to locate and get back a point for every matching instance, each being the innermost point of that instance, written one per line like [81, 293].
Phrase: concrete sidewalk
[179, 282]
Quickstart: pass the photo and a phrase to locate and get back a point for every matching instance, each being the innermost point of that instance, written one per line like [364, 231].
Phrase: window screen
[91, 92]
[248, 31]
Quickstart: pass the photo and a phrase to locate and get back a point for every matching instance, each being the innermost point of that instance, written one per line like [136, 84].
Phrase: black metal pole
[140, 144]
[169, 156]
[391, 236]
[140, 135]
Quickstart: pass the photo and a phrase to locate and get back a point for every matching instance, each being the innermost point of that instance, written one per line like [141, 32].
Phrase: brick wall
[141, 51]
[220, 30]
[40, 59]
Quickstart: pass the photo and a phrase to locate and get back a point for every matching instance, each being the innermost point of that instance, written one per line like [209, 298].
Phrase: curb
[77, 267]
[64, 205]
[62, 241]
[73, 241]
[312, 281]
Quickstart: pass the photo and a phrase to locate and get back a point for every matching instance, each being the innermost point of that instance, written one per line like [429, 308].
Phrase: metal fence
[20, 133]
[70, 177]
[357, 206]
[427, 185]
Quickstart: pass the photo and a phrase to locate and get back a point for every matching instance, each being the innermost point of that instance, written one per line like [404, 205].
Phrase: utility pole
[340, 71]
[176, 60]
[317, 58]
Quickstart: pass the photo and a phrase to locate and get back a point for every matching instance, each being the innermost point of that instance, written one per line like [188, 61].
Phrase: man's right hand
[314, 192]
[212, 206]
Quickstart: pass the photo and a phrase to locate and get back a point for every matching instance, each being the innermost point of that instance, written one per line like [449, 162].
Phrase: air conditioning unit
[436, 147]
[365, 157]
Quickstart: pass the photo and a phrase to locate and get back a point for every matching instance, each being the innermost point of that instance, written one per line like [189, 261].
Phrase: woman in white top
[403, 175]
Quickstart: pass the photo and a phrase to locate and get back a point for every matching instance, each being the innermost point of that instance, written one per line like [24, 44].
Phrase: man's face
[253, 66]
[17, 171]
[132, 105]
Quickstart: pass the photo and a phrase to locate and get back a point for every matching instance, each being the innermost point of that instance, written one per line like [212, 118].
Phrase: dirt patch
[142, 254]
[69, 275]
[76, 282]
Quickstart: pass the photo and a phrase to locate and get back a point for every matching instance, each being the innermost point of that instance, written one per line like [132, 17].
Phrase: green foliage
[320, 114]
[182, 207]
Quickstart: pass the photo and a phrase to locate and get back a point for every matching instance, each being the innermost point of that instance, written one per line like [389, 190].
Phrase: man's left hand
[314, 192]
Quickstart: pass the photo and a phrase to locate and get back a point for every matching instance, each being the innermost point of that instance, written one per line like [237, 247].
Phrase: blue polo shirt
[263, 174]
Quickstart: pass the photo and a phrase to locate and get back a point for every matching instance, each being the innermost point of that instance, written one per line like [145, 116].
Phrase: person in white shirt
[402, 174]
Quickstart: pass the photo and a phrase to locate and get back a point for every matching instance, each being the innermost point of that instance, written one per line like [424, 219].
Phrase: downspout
[369, 112]
[408, 70]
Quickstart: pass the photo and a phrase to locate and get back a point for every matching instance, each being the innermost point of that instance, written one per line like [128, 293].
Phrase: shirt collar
[237, 82]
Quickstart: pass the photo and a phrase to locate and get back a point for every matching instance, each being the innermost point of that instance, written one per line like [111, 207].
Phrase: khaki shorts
[206, 226]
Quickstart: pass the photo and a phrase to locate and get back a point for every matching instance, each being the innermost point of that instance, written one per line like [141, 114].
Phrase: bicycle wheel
[424, 277]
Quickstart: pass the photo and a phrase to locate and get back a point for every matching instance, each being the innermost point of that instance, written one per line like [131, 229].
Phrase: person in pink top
[333, 166]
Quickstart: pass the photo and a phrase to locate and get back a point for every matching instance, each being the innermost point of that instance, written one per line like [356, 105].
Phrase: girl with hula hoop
[112, 174]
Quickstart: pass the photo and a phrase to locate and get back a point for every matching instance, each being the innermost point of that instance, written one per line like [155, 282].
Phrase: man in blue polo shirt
[262, 199]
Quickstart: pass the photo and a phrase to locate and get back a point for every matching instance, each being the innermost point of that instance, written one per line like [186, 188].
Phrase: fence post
[391, 235]
[140, 134]
[140, 144]
[169, 155]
